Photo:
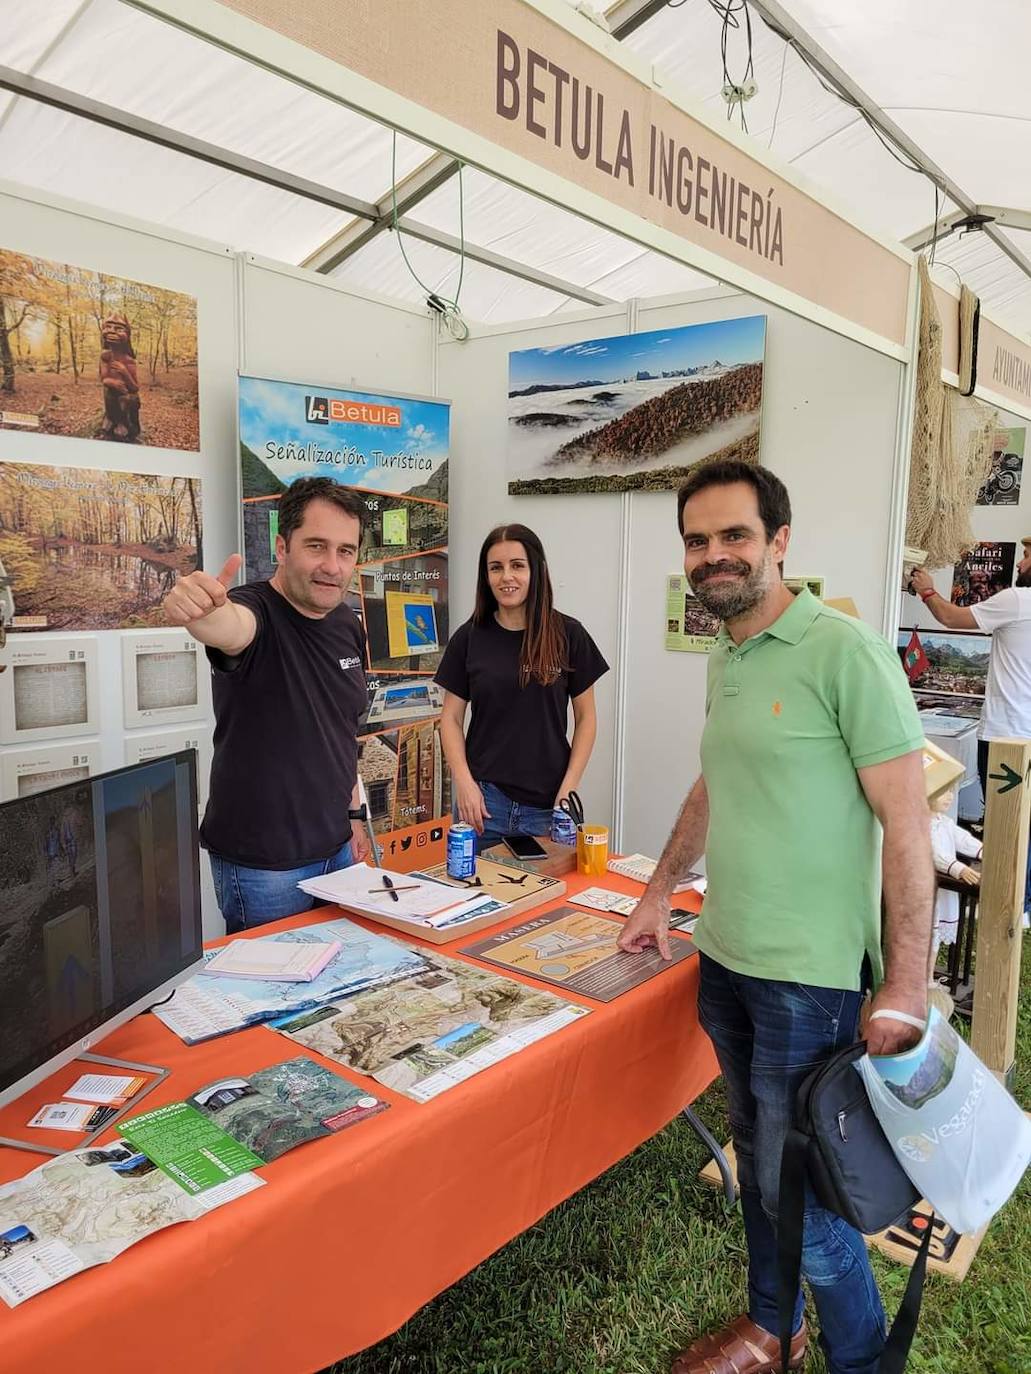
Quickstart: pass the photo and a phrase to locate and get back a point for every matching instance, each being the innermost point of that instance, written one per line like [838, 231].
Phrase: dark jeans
[982, 773]
[249, 897]
[769, 1036]
[508, 817]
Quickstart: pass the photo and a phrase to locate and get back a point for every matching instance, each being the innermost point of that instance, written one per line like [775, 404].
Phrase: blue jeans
[508, 817]
[982, 772]
[249, 897]
[768, 1037]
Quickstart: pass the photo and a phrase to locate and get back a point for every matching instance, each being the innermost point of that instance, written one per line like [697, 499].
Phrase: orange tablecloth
[354, 1233]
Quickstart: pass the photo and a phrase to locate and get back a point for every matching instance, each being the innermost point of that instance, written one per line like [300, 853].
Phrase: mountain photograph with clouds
[634, 412]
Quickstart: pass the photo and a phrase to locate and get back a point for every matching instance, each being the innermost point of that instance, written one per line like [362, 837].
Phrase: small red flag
[915, 660]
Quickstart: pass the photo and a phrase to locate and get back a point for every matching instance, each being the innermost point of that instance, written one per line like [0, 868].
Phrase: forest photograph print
[92, 356]
[82, 549]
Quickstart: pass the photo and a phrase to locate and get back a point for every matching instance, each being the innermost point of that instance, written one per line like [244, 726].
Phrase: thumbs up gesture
[199, 595]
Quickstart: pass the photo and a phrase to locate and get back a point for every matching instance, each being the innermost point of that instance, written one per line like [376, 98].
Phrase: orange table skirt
[354, 1233]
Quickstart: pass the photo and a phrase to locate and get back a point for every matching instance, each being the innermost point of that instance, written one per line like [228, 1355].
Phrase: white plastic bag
[954, 1128]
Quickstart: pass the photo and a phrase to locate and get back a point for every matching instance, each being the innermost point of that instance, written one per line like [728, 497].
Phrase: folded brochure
[236, 1124]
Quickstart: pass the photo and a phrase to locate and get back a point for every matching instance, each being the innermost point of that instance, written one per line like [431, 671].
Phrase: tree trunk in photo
[7, 328]
[57, 344]
[195, 517]
[72, 349]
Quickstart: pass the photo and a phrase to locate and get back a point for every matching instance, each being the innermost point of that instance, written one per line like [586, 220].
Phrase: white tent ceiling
[950, 78]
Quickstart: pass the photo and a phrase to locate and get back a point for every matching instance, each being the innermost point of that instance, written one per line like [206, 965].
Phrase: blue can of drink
[461, 851]
[563, 827]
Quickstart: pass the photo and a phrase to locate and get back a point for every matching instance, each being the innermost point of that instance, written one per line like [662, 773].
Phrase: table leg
[716, 1150]
[971, 926]
[956, 949]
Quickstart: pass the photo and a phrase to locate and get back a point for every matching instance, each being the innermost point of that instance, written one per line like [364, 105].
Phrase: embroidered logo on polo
[778, 707]
[346, 663]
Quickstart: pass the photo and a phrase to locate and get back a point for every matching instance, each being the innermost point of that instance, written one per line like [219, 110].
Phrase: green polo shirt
[793, 850]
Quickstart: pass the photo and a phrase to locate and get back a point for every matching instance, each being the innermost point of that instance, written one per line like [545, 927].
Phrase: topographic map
[425, 1034]
[84, 1208]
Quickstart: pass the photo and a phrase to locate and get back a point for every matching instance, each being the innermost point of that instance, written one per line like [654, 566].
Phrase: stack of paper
[105, 1088]
[619, 904]
[280, 961]
[204, 1006]
[418, 899]
[640, 868]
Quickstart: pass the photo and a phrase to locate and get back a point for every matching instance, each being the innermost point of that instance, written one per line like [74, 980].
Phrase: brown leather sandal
[740, 1348]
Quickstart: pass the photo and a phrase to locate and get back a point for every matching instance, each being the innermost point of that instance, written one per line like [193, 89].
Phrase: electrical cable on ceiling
[780, 93]
[445, 307]
[735, 92]
[729, 12]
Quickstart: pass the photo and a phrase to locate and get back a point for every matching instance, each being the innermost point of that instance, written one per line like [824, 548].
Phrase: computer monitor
[99, 910]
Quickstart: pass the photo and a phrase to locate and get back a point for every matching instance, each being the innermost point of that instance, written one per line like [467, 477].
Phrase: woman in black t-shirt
[520, 663]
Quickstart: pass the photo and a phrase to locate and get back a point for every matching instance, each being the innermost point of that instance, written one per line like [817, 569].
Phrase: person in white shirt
[1006, 616]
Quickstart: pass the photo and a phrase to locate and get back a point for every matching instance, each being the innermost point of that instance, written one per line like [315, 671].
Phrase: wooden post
[1000, 922]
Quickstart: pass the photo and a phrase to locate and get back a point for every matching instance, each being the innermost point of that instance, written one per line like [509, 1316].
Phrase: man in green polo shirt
[811, 799]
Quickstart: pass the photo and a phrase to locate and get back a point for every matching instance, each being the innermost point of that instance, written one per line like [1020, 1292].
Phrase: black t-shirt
[286, 721]
[517, 735]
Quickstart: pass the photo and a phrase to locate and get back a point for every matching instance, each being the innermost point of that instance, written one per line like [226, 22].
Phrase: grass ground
[633, 1267]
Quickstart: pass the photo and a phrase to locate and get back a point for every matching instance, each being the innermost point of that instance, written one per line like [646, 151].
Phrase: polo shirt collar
[791, 625]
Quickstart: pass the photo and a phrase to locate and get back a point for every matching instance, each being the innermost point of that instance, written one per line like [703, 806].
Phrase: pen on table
[391, 888]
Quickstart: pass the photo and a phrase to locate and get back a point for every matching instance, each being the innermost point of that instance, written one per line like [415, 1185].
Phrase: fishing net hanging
[952, 449]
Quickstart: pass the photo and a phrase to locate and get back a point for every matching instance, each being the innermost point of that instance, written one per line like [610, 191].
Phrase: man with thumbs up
[288, 682]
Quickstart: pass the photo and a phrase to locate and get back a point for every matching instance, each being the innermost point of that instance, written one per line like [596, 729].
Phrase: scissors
[573, 807]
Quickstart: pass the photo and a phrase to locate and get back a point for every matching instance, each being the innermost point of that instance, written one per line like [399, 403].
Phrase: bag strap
[790, 1225]
[903, 1328]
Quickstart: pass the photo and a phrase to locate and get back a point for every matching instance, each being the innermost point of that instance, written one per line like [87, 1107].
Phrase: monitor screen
[99, 908]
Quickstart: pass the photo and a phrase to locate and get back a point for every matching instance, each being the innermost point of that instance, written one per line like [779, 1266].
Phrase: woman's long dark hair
[543, 655]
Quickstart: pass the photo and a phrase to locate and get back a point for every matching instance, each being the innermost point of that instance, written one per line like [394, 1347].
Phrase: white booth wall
[830, 417]
[264, 318]
[829, 422]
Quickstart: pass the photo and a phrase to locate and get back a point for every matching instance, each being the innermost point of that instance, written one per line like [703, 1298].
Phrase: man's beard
[1024, 579]
[729, 600]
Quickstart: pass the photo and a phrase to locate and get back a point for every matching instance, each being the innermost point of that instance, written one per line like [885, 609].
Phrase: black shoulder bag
[838, 1147]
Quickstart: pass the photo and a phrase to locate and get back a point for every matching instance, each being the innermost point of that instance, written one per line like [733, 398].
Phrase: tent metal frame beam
[937, 233]
[441, 167]
[425, 179]
[368, 214]
[1007, 217]
[45, 93]
[627, 15]
[510, 266]
[786, 27]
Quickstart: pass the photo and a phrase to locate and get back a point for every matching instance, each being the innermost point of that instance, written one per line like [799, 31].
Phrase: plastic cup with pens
[592, 850]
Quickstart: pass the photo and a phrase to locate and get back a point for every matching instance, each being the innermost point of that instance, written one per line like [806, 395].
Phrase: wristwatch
[360, 815]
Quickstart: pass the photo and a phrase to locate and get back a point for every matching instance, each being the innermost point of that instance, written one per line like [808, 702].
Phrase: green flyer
[188, 1146]
[395, 526]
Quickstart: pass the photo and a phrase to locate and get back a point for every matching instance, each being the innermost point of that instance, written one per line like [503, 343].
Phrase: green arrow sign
[1008, 778]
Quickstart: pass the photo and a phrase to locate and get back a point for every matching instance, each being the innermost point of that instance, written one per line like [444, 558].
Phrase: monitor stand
[158, 1076]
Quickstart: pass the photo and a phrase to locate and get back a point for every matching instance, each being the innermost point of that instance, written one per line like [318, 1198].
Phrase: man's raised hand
[199, 594]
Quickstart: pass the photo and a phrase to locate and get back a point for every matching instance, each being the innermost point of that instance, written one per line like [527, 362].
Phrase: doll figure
[948, 841]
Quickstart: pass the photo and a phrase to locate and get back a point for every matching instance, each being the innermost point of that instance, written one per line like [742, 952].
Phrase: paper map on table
[577, 952]
[205, 1006]
[85, 1208]
[619, 904]
[274, 1109]
[424, 1035]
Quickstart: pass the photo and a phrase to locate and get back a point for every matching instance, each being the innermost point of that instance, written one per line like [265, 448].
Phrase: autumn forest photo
[93, 356]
